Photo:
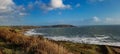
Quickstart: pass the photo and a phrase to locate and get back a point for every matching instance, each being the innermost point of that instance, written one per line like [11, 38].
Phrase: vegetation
[13, 41]
[78, 48]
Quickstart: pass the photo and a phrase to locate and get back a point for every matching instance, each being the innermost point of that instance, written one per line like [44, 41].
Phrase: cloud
[6, 8]
[54, 4]
[51, 5]
[112, 20]
[58, 4]
[96, 19]
[23, 14]
[5, 20]
[107, 20]
[77, 5]
[9, 9]
[9, 12]
[6, 5]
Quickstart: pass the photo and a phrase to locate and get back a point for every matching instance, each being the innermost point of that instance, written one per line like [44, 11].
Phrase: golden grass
[12, 41]
[30, 45]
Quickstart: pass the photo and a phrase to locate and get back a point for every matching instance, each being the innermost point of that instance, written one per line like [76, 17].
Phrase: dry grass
[30, 45]
[12, 41]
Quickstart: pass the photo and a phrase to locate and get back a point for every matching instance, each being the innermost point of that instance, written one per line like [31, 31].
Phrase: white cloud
[10, 13]
[6, 5]
[54, 4]
[8, 8]
[112, 20]
[96, 19]
[58, 4]
[22, 14]
[20, 8]
[107, 20]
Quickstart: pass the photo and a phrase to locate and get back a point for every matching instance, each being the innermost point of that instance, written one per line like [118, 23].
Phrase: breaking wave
[99, 39]
[86, 40]
[32, 32]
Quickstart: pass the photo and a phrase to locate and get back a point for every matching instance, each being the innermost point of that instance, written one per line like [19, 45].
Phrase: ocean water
[101, 35]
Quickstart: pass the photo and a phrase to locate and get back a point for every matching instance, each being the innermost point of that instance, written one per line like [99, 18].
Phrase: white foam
[32, 32]
[99, 40]
[89, 40]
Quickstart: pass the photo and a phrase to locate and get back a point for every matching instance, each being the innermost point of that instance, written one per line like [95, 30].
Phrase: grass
[78, 48]
[13, 41]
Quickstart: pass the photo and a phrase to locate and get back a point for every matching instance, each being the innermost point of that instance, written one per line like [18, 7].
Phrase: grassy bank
[13, 41]
[78, 48]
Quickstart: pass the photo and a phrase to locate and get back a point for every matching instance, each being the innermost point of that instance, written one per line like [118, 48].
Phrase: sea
[100, 34]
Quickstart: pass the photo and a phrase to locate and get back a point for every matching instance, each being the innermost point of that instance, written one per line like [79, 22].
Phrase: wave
[86, 40]
[32, 32]
[97, 39]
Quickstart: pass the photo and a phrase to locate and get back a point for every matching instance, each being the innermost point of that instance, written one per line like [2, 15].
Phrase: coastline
[72, 46]
[13, 41]
[31, 32]
[21, 40]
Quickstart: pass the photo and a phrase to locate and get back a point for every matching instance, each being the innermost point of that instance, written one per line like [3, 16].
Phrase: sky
[52, 12]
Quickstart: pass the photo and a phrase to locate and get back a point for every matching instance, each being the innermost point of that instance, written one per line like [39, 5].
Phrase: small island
[62, 26]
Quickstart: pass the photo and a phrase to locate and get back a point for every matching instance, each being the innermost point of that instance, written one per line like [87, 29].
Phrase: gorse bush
[29, 45]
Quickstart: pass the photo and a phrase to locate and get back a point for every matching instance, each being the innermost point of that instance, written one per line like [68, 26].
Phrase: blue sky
[51, 12]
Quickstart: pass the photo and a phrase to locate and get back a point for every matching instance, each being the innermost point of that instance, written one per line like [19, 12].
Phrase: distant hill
[31, 27]
[63, 26]
[54, 26]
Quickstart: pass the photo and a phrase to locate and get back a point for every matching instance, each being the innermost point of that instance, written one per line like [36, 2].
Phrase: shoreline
[80, 40]
[67, 44]
[22, 43]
